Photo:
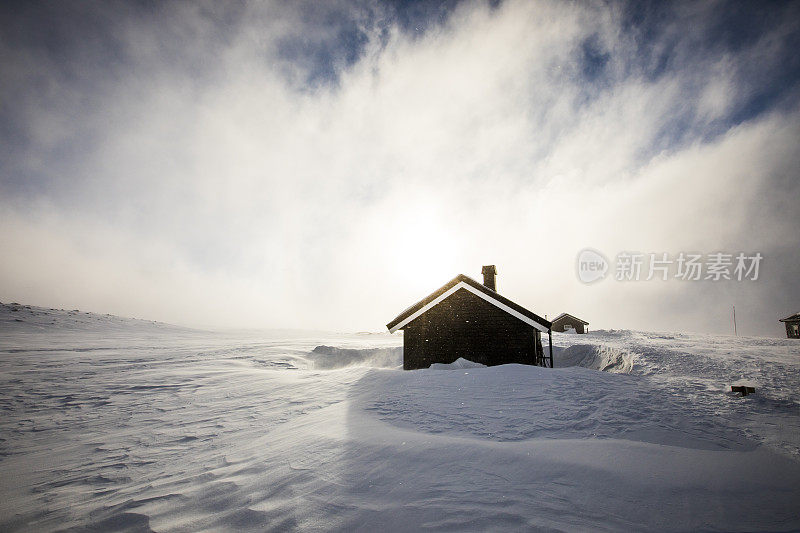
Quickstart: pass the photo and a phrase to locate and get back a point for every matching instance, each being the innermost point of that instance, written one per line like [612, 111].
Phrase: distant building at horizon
[792, 324]
[466, 319]
[565, 322]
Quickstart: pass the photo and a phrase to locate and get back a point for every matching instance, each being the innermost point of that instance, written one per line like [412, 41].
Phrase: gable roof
[562, 315]
[465, 282]
[791, 318]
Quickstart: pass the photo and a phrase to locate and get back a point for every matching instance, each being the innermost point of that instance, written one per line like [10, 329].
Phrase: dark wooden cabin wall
[465, 325]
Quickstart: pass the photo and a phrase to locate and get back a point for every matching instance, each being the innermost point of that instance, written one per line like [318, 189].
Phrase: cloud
[298, 165]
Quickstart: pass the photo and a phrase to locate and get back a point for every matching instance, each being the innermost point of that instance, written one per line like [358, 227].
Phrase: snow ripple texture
[112, 424]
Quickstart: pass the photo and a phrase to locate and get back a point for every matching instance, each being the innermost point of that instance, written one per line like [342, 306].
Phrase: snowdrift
[595, 357]
[458, 364]
[329, 357]
[193, 431]
[605, 358]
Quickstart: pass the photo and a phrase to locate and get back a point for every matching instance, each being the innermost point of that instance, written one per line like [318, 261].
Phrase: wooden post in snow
[550, 338]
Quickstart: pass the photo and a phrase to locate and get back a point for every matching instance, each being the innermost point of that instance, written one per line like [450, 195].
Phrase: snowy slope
[18, 318]
[122, 425]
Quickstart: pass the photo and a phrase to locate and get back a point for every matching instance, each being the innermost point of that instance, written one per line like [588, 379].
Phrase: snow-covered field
[110, 424]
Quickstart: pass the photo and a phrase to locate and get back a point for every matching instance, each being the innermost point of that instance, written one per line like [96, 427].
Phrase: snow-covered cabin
[467, 319]
[792, 324]
[566, 322]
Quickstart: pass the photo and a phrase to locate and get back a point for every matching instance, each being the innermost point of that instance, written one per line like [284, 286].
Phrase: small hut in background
[792, 326]
[566, 322]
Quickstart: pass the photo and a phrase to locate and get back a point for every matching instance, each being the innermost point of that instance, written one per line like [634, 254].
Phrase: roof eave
[571, 316]
[514, 308]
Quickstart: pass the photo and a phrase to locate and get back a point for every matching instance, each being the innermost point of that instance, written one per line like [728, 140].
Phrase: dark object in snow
[565, 322]
[792, 326]
[743, 389]
[466, 319]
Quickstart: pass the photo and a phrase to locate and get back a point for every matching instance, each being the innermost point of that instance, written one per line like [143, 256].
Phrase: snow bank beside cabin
[458, 364]
[596, 357]
[521, 402]
[515, 447]
[330, 357]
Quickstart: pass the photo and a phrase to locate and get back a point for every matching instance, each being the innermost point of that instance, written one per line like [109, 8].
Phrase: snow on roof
[791, 318]
[571, 316]
[465, 282]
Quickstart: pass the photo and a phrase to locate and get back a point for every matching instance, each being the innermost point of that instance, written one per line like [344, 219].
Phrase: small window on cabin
[568, 326]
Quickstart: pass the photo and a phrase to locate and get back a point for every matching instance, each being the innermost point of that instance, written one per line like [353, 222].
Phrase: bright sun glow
[425, 251]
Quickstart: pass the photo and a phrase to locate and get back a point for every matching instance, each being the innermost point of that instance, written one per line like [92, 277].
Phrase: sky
[324, 165]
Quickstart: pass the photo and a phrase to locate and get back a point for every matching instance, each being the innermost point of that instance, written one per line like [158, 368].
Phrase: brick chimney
[489, 272]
